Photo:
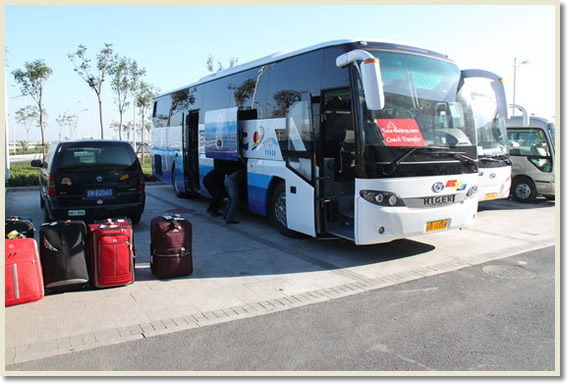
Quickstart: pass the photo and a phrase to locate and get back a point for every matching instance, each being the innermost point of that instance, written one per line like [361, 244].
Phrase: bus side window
[217, 94]
[289, 79]
[243, 88]
[161, 111]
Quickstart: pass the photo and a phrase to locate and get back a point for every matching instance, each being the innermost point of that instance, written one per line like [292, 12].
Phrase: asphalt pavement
[248, 270]
[495, 317]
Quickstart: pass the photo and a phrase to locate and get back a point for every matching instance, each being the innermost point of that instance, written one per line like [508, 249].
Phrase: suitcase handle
[173, 223]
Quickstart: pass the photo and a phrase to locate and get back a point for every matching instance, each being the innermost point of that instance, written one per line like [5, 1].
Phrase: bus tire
[523, 190]
[277, 211]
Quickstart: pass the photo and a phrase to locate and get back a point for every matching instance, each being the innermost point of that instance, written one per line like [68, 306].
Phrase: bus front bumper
[384, 224]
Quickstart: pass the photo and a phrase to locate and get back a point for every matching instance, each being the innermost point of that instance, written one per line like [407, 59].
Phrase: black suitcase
[19, 226]
[63, 252]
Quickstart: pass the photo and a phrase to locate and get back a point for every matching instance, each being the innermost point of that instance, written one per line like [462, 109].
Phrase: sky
[173, 43]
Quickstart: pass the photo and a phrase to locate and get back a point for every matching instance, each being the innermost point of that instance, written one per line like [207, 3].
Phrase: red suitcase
[170, 246]
[111, 254]
[24, 280]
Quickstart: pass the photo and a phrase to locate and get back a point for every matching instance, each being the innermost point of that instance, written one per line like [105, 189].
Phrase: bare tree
[144, 98]
[31, 82]
[67, 121]
[93, 76]
[114, 126]
[27, 116]
[125, 77]
[210, 67]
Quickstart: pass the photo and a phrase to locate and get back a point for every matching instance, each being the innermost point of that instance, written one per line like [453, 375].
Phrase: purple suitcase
[170, 247]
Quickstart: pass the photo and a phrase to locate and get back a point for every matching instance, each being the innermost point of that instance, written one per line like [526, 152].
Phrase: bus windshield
[423, 104]
[491, 131]
[552, 131]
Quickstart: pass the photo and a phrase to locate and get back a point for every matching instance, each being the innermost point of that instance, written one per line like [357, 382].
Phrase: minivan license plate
[436, 225]
[98, 193]
[76, 212]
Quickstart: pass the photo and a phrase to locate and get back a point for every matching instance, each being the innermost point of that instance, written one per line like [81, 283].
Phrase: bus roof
[286, 54]
[534, 122]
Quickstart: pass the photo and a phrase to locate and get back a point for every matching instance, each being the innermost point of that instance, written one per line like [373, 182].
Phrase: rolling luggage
[170, 246]
[24, 280]
[111, 254]
[63, 253]
[19, 227]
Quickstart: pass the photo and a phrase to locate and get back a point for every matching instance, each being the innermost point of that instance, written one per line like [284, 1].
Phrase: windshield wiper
[395, 163]
[464, 159]
[496, 159]
[434, 151]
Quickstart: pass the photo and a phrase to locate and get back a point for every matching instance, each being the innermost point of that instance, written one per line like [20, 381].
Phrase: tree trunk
[120, 127]
[142, 138]
[101, 116]
[41, 123]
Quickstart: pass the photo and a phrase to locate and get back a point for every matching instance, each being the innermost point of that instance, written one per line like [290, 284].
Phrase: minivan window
[115, 157]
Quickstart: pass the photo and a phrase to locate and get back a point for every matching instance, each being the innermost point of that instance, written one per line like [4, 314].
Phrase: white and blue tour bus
[363, 140]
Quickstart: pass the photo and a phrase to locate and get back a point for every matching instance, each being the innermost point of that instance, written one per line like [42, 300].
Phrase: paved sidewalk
[248, 270]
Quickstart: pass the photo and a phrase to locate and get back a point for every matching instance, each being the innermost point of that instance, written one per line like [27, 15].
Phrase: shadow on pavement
[331, 255]
[504, 204]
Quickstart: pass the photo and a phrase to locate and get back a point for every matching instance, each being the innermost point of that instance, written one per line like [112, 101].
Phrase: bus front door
[337, 166]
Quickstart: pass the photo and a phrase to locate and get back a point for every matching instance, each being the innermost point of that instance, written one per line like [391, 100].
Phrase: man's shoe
[213, 213]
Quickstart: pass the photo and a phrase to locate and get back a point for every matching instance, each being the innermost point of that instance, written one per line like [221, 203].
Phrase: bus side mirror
[370, 74]
[373, 84]
[525, 118]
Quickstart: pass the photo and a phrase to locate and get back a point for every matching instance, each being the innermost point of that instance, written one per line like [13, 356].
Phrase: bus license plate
[98, 193]
[76, 212]
[436, 225]
[490, 196]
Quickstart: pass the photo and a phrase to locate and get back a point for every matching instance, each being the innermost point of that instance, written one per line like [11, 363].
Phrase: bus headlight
[471, 192]
[382, 198]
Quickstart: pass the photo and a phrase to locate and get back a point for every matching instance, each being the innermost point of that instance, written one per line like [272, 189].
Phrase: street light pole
[515, 66]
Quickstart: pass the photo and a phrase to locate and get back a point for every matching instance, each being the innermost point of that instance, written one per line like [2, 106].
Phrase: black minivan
[91, 179]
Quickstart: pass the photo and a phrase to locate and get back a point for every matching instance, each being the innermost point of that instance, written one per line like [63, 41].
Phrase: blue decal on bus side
[203, 170]
[221, 134]
[162, 175]
[257, 192]
[180, 183]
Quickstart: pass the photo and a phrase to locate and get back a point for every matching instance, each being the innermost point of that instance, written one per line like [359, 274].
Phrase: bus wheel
[524, 190]
[277, 211]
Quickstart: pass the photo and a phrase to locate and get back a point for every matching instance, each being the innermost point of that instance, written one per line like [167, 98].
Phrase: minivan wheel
[523, 190]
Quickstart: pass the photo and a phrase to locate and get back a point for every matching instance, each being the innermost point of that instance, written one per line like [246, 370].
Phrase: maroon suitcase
[111, 254]
[23, 279]
[170, 247]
